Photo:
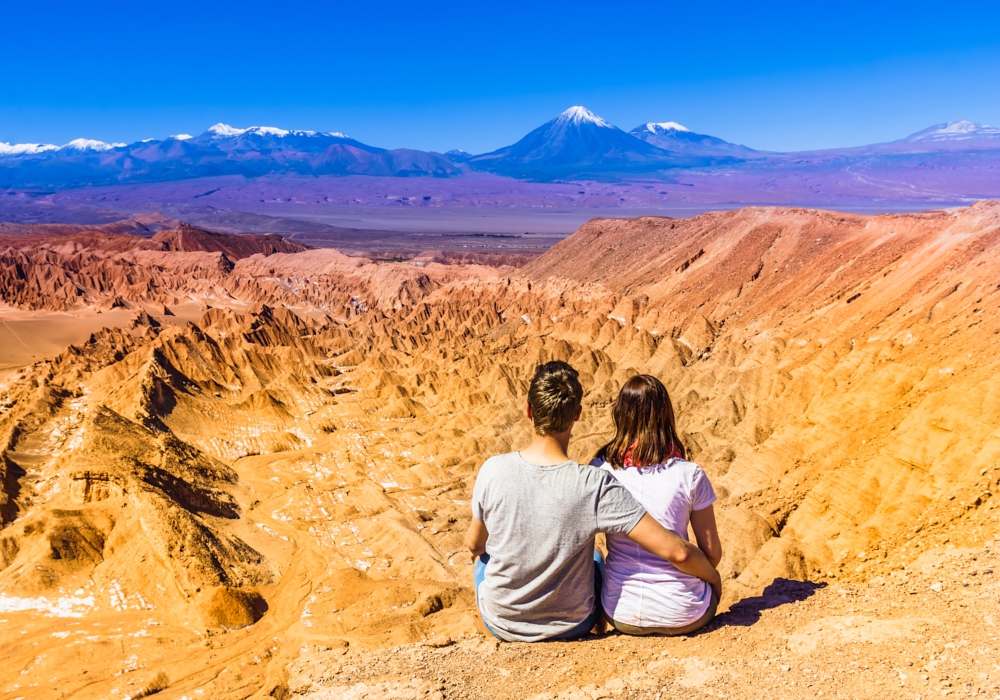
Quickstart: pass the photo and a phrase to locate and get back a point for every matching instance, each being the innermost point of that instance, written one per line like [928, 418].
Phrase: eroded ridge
[279, 450]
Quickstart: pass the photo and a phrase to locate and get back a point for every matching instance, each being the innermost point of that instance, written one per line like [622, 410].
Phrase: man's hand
[681, 553]
[706, 534]
[716, 584]
[475, 539]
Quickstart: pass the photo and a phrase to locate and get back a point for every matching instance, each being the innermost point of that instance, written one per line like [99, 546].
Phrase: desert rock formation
[188, 239]
[270, 455]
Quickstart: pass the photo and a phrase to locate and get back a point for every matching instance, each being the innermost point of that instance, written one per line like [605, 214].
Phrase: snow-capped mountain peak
[677, 138]
[225, 131]
[955, 131]
[665, 126]
[90, 145]
[961, 126]
[182, 137]
[271, 131]
[28, 149]
[581, 115]
[221, 129]
[21, 149]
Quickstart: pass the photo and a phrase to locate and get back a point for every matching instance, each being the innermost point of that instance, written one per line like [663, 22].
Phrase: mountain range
[221, 150]
[575, 145]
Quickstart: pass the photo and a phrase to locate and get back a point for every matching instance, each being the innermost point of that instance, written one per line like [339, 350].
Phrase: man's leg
[599, 572]
[597, 616]
[478, 574]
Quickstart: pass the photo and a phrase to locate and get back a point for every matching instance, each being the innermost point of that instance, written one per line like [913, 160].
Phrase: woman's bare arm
[681, 553]
[707, 534]
[475, 538]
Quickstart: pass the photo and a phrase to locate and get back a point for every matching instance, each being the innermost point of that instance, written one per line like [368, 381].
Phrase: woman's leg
[709, 615]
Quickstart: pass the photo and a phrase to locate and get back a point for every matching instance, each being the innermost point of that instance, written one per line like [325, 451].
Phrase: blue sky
[479, 75]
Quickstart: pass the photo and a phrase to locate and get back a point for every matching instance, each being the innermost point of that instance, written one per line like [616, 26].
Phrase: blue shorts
[479, 573]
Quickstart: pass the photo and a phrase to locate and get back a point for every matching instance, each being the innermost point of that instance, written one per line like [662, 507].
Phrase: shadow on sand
[780, 592]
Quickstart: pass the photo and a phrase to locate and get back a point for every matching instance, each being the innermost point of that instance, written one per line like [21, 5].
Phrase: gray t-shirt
[541, 521]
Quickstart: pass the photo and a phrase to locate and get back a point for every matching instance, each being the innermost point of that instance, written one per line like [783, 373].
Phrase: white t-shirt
[640, 588]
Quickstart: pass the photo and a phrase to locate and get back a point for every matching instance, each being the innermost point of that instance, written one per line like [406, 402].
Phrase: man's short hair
[555, 396]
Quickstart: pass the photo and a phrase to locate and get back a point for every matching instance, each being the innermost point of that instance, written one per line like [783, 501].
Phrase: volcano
[671, 136]
[580, 144]
[966, 133]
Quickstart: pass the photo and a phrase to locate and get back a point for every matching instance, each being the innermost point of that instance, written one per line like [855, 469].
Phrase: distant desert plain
[236, 466]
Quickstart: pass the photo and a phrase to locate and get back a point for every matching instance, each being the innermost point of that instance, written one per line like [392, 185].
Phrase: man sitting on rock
[535, 514]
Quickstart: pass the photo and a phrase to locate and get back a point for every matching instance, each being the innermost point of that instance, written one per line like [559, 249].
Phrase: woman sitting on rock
[644, 594]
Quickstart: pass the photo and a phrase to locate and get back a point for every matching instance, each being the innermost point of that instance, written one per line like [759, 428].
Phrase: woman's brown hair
[645, 430]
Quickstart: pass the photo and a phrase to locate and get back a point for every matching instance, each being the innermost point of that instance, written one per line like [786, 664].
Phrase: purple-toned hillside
[329, 189]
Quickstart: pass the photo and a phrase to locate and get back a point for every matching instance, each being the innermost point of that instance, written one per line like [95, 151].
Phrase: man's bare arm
[682, 554]
[706, 533]
[475, 538]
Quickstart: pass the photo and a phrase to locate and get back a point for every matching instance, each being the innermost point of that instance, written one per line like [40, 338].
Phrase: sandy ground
[27, 336]
[928, 630]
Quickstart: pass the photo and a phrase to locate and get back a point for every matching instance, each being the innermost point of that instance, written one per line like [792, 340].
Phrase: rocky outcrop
[188, 239]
